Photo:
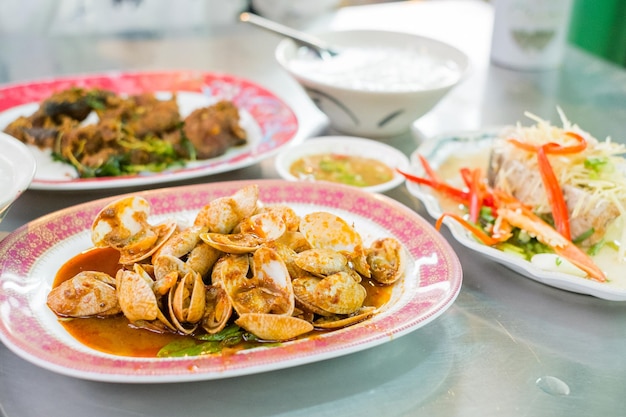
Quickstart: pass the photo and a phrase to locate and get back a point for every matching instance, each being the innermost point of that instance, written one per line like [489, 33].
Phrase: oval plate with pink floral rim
[30, 257]
[268, 121]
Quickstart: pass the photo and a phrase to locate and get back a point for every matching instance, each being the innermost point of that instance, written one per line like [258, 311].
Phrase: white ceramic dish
[17, 168]
[31, 256]
[269, 123]
[345, 145]
[475, 147]
[362, 92]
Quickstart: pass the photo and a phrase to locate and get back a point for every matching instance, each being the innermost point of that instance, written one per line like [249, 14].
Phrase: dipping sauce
[380, 69]
[346, 169]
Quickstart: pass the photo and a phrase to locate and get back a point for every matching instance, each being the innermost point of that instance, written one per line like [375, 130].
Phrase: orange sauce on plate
[115, 335]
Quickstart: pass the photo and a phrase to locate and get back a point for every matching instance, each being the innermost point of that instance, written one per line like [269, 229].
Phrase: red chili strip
[476, 231]
[466, 176]
[554, 194]
[452, 192]
[553, 189]
[429, 170]
[554, 148]
[476, 198]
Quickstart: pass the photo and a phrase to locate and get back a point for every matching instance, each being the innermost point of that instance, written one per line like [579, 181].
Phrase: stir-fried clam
[123, 225]
[89, 293]
[274, 273]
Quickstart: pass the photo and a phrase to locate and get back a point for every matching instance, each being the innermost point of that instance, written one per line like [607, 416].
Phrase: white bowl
[380, 83]
[293, 11]
[345, 145]
[17, 169]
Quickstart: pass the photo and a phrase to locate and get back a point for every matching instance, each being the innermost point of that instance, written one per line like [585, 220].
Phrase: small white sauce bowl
[17, 169]
[345, 145]
[389, 79]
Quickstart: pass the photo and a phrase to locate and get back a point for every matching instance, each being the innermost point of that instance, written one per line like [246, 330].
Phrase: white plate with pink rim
[472, 149]
[30, 257]
[269, 123]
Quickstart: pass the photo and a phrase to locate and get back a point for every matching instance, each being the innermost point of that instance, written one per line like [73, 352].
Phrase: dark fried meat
[91, 144]
[60, 112]
[75, 103]
[38, 132]
[144, 114]
[156, 117]
[136, 130]
[212, 130]
[19, 128]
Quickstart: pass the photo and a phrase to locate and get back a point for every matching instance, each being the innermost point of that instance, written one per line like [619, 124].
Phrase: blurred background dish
[293, 12]
[381, 81]
[268, 121]
[360, 162]
[17, 168]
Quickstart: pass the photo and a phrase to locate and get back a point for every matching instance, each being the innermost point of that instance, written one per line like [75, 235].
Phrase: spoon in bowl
[316, 45]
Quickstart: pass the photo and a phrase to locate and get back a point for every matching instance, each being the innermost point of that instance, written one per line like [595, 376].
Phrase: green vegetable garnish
[341, 171]
[583, 236]
[594, 249]
[212, 343]
[596, 164]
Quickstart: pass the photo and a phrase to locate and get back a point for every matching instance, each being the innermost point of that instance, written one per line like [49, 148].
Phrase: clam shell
[337, 321]
[321, 261]
[274, 327]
